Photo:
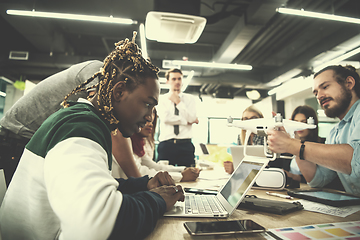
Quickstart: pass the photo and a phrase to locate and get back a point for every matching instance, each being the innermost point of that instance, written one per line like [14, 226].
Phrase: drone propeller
[261, 125]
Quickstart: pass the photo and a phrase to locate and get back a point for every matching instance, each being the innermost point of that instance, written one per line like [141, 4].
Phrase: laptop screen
[240, 181]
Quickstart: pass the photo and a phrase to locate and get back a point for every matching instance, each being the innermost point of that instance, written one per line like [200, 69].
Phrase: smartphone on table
[223, 227]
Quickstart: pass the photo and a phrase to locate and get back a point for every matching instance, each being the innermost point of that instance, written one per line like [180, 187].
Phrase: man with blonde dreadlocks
[63, 189]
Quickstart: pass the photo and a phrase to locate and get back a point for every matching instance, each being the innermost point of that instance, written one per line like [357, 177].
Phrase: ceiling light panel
[207, 65]
[68, 16]
[331, 17]
[173, 27]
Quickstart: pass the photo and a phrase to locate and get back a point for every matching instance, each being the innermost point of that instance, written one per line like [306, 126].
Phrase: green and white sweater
[62, 188]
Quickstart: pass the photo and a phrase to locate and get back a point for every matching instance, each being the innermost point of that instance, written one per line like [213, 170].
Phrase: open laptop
[204, 149]
[229, 196]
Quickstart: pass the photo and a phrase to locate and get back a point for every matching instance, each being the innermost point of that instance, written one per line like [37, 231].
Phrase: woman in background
[301, 114]
[249, 113]
[143, 146]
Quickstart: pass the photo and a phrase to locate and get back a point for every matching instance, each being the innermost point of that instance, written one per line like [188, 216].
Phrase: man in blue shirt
[337, 90]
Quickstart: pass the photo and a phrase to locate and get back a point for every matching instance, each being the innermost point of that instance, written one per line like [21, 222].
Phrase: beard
[343, 101]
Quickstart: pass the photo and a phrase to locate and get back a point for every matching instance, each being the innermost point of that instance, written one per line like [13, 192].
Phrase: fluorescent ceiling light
[162, 80]
[209, 65]
[143, 41]
[292, 87]
[337, 51]
[290, 83]
[274, 90]
[355, 64]
[187, 80]
[168, 64]
[284, 77]
[304, 13]
[164, 86]
[318, 67]
[337, 60]
[69, 16]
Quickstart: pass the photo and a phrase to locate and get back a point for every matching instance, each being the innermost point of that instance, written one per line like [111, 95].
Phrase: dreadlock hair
[125, 63]
[341, 73]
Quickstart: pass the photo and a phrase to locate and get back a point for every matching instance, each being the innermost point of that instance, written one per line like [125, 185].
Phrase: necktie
[176, 127]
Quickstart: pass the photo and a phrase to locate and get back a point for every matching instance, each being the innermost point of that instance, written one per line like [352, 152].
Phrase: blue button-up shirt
[347, 131]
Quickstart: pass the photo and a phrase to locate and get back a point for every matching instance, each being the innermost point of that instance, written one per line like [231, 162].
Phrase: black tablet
[326, 196]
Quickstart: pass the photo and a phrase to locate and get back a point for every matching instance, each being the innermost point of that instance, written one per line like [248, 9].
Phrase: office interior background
[233, 53]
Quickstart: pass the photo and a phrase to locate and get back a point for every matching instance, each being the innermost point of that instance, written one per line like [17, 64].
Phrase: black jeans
[11, 149]
[180, 153]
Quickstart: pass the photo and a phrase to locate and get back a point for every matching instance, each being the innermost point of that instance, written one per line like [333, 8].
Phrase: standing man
[337, 90]
[177, 113]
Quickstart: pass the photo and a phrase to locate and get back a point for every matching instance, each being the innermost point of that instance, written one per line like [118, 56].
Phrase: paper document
[326, 209]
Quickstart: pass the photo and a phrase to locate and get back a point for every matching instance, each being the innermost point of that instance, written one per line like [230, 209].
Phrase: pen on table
[279, 195]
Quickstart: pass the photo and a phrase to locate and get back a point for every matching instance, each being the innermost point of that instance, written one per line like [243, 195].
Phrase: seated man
[337, 90]
[62, 187]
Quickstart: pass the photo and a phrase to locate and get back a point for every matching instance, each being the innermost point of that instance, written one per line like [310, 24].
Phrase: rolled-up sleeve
[347, 131]
[322, 177]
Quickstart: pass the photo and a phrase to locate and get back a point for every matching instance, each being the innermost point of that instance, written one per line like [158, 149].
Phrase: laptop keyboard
[200, 204]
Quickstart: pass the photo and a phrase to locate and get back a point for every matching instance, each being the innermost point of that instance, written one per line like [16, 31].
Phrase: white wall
[217, 107]
[28, 86]
[265, 106]
[12, 95]
[293, 101]
[223, 108]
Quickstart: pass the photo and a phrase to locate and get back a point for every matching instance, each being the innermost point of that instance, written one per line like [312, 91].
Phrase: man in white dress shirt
[177, 113]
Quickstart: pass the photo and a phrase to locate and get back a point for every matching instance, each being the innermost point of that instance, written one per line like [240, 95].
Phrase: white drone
[260, 126]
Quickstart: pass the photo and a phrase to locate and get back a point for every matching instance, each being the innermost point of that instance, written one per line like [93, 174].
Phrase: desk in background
[172, 228]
